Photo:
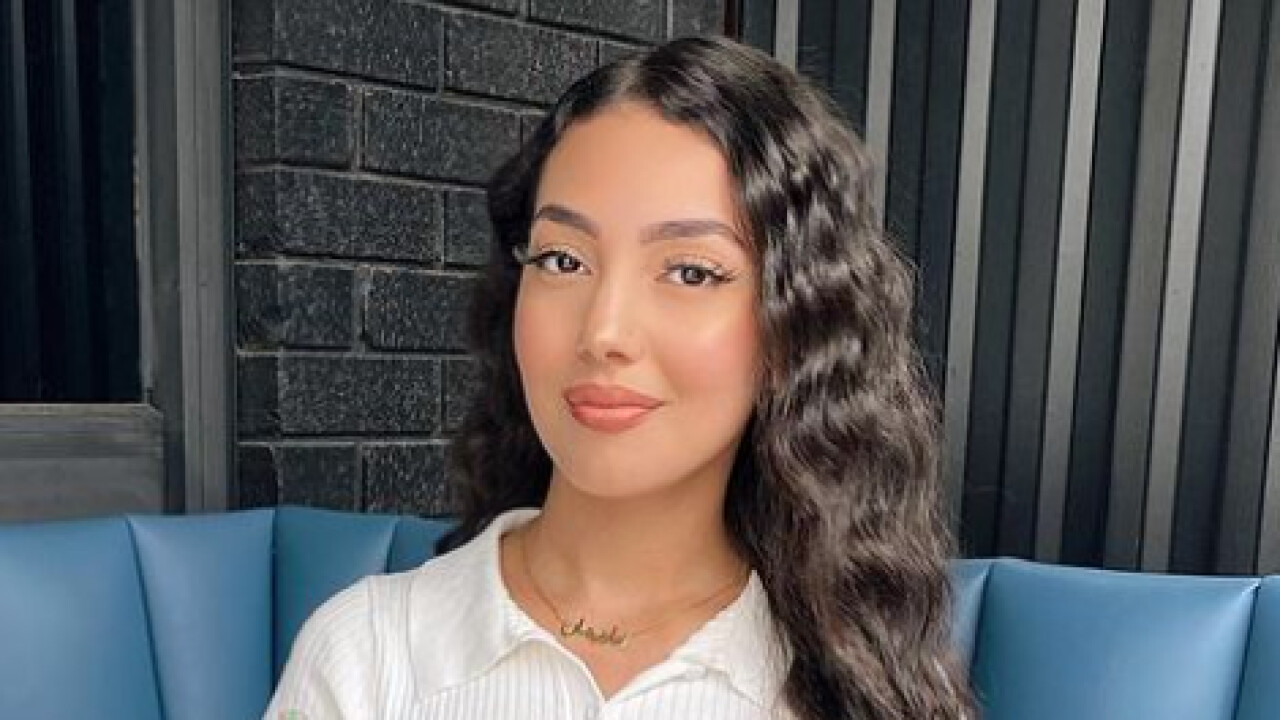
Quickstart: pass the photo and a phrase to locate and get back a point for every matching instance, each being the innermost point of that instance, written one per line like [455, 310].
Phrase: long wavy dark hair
[834, 500]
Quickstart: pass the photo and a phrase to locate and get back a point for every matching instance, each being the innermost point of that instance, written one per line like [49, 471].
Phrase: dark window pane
[68, 264]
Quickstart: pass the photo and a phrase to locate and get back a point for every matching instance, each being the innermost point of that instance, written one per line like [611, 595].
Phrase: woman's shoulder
[341, 620]
[412, 601]
[381, 593]
[369, 618]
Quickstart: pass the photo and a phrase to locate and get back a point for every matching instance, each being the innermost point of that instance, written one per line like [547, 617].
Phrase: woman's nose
[610, 331]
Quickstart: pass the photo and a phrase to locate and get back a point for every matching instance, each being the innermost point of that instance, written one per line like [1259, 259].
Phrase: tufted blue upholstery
[75, 640]
[192, 617]
[175, 617]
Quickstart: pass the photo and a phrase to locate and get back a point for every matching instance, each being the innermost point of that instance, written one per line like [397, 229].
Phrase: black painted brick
[338, 394]
[468, 232]
[697, 17]
[641, 19]
[252, 29]
[291, 305]
[309, 213]
[257, 395]
[610, 51]
[254, 105]
[407, 478]
[412, 134]
[529, 123]
[360, 395]
[374, 38]
[460, 388]
[259, 483]
[409, 310]
[318, 475]
[293, 120]
[512, 60]
[507, 6]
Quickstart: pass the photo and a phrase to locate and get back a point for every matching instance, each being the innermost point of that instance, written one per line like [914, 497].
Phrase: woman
[700, 476]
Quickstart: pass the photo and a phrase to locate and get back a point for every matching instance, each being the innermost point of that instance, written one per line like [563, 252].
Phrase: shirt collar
[740, 643]
[462, 622]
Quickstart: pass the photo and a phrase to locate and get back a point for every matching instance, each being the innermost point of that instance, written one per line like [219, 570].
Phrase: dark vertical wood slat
[1269, 534]
[757, 23]
[814, 52]
[1134, 173]
[997, 275]
[1177, 308]
[19, 319]
[1115, 158]
[834, 40]
[1266, 224]
[732, 17]
[851, 41]
[1069, 277]
[1144, 285]
[962, 315]
[1037, 257]
[940, 178]
[1218, 281]
[1249, 539]
[906, 133]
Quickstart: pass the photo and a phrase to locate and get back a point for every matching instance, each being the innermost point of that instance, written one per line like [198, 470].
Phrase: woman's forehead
[662, 230]
[626, 164]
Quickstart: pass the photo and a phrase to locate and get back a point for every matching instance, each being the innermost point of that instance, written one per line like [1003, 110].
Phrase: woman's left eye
[695, 275]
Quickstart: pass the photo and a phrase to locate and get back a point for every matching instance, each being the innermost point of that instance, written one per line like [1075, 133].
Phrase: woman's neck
[630, 555]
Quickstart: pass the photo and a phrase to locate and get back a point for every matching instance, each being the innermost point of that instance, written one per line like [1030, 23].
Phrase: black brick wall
[365, 130]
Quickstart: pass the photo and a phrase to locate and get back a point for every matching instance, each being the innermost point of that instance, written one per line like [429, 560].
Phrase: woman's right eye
[558, 262]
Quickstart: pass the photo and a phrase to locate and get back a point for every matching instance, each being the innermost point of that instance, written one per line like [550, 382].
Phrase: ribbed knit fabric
[446, 642]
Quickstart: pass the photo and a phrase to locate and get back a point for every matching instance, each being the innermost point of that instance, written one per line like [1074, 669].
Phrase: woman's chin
[614, 484]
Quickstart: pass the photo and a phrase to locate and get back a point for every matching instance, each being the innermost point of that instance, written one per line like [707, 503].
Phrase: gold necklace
[612, 637]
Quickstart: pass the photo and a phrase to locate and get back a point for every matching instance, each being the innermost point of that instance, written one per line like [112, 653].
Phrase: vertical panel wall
[1090, 190]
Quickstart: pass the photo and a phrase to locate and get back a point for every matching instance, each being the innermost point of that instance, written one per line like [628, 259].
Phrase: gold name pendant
[585, 631]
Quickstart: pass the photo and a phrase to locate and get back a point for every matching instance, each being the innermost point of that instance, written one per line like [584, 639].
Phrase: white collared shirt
[446, 642]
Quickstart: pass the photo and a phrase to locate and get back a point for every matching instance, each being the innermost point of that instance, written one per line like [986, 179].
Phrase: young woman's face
[635, 323]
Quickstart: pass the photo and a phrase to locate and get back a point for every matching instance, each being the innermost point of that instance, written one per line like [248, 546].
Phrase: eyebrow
[664, 230]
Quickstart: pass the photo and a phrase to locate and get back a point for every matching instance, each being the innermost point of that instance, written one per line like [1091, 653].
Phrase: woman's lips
[610, 419]
[609, 408]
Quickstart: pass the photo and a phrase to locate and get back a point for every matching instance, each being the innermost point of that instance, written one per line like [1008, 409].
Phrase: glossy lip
[609, 408]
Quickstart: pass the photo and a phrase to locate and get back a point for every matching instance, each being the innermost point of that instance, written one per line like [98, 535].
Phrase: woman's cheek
[719, 354]
[530, 338]
[544, 344]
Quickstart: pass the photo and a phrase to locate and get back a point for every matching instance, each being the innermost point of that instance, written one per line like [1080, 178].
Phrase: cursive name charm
[583, 630]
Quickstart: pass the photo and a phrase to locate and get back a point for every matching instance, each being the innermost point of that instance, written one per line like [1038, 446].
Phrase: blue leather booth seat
[192, 618]
[186, 618]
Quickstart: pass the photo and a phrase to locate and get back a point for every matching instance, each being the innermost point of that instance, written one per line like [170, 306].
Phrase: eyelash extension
[714, 271]
[717, 274]
[523, 257]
